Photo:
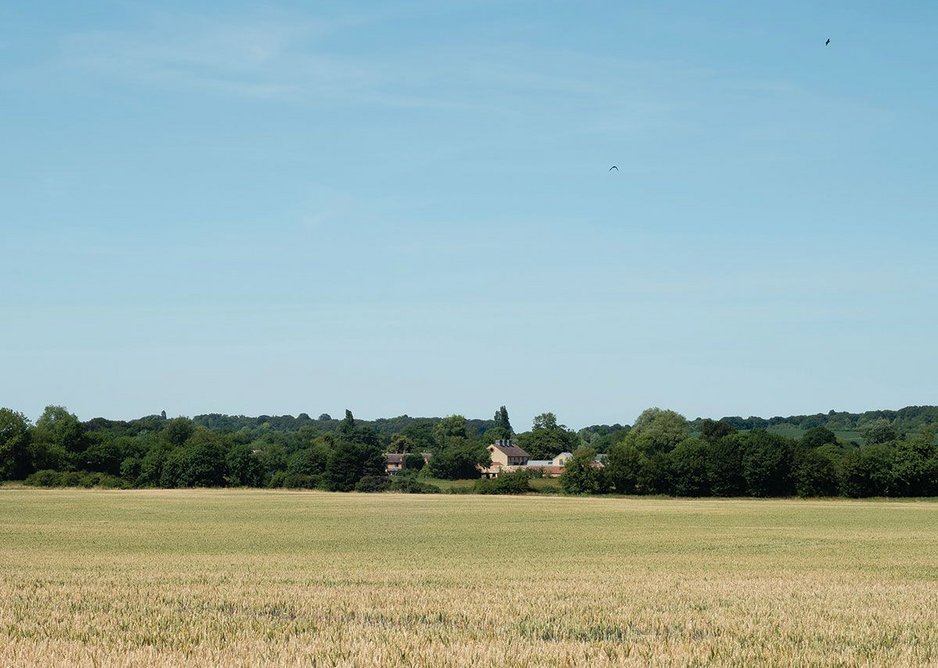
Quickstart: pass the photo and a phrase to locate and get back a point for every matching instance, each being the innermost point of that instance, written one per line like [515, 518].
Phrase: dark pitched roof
[510, 449]
[394, 458]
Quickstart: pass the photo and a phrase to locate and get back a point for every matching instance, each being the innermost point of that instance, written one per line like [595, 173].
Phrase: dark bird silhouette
[614, 167]
[827, 43]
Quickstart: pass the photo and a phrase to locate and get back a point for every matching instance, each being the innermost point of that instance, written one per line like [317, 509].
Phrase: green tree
[657, 431]
[688, 467]
[401, 444]
[178, 430]
[451, 429]
[913, 466]
[725, 466]
[654, 477]
[818, 436]
[879, 431]
[421, 434]
[714, 430]
[767, 464]
[130, 469]
[414, 462]
[547, 439]
[814, 472]
[349, 462]
[460, 461]
[602, 437]
[15, 456]
[867, 471]
[152, 464]
[272, 455]
[357, 454]
[312, 461]
[502, 428]
[581, 475]
[244, 468]
[623, 467]
[203, 461]
[347, 428]
[104, 455]
[58, 428]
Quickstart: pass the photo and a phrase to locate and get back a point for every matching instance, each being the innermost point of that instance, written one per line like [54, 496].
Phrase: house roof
[510, 449]
[394, 458]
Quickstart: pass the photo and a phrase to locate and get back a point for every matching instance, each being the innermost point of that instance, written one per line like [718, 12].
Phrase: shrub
[581, 475]
[516, 482]
[459, 461]
[410, 484]
[294, 480]
[372, 483]
[49, 478]
[45, 478]
[414, 461]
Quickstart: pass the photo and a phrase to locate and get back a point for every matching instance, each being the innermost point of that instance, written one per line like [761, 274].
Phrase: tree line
[661, 453]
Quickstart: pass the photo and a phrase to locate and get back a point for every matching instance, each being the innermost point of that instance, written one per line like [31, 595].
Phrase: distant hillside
[847, 426]
[384, 426]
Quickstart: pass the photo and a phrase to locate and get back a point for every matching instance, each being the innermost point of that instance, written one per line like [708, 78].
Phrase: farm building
[551, 468]
[506, 456]
[394, 462]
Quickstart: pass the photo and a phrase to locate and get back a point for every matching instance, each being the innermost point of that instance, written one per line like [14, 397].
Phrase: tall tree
[451, 429]
[502, 429]
[767, 464]
[818, 436]
[547, 439]
[59, 428]
[688, 467]
[725, 466]
[914, 471]
[623, 467]
[880, 431]
[657, 431]
[349, 462]
[814, 472]
[178, 430]
[357, 453]
[15, 459]
[348, 424]
[244, 468]
[401, 444]
[714, 430]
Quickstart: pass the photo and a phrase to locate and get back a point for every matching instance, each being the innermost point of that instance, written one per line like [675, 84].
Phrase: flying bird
[827, 43]
[614, 167]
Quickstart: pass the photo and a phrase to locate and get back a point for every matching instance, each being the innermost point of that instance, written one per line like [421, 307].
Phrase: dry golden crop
[250, 578]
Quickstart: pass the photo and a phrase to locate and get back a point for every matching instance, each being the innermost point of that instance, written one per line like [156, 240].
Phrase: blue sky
[405, 208]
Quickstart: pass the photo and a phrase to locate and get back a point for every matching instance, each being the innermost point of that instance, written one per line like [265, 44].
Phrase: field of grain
[248, 578]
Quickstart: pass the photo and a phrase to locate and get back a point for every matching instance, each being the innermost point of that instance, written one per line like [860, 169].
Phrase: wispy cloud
[256, 57]
[297, 57]
[315, 59]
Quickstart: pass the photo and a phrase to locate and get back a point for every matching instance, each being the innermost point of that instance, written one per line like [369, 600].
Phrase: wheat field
[251, 578]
